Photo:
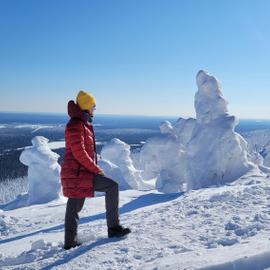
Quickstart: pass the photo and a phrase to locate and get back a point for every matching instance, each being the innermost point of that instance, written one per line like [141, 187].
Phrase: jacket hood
[74, 111]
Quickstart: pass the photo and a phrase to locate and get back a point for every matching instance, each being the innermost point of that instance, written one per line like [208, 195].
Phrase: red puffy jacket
[80, 161]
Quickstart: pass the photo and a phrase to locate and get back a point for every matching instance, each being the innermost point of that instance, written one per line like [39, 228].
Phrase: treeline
[10, 165]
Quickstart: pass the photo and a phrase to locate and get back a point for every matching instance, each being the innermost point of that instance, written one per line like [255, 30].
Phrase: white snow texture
[43, 171]
[117, 163]
[197, 153]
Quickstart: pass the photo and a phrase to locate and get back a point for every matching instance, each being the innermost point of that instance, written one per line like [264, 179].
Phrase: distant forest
[13, 140]
[18, 132]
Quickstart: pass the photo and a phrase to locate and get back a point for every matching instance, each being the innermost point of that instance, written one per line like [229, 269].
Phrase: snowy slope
[223, 227]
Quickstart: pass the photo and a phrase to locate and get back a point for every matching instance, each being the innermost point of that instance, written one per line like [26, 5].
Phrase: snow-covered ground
[225, 227]
[214, 212]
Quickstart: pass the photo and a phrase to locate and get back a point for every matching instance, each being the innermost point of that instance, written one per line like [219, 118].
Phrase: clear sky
[135, 56]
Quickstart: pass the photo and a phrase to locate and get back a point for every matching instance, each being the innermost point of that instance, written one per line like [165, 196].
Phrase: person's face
[90, 113]
[91, 110]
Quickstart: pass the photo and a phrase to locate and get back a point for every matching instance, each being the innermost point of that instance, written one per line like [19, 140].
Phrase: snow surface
[212, 228]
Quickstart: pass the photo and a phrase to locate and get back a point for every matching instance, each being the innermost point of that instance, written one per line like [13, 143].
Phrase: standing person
[80, 174]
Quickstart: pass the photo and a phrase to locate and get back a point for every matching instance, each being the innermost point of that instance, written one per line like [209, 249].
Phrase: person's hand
[101, 173]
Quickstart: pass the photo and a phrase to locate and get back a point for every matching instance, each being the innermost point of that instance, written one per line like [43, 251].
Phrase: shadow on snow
[140, 202]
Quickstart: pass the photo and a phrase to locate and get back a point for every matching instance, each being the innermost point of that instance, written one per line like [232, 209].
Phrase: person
[80, 174]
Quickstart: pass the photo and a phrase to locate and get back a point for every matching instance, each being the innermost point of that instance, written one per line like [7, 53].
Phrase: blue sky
[136, 56]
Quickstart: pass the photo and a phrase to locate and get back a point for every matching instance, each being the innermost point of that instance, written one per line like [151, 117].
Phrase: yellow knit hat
[85, 100]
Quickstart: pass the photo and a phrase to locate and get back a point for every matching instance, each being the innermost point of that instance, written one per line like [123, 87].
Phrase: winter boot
[74, 244]
[118, 231]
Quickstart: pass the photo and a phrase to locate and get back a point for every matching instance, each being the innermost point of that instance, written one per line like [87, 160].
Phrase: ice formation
[196, 153]
[43, 171]
[117, 164]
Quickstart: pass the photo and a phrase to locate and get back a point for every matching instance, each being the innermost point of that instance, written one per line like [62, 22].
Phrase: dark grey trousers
[75, 205]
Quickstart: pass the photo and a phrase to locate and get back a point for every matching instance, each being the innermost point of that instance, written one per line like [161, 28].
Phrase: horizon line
[109, 114]
[131, 115]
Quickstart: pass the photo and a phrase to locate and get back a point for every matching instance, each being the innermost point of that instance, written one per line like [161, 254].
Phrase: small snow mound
[249, 230]
[7, 223]
[222, 197]
[118, 163]
[227, 241]
[39, 244]
[40, 250]
[231, 226]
